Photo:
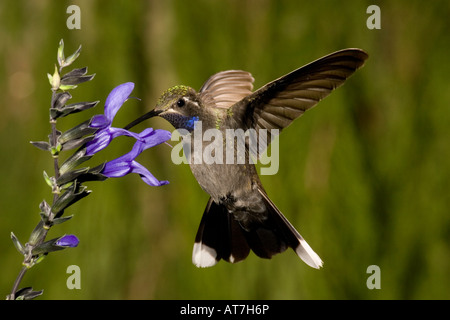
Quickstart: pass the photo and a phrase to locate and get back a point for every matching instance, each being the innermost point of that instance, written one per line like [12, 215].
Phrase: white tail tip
[203, 256]
[308, 255]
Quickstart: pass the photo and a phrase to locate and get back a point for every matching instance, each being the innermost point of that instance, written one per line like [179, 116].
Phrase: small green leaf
[41, 145]
[56, 150]
[73, 144]
[48, 180]
[37, 233]
[27, 294]
[17, 244]
[71, 176]
[67, 87]
[76, 76]
[74, 161]
[38, 259]
[74, 193]
[75, 73]
[71, 108]
[76, 132]
[61, 220]
[70, 59]
[76, 80]
[60, 99]
[61, 53]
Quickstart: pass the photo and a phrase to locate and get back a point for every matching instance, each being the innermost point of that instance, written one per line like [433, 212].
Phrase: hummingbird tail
[288, 234]
[221, 236]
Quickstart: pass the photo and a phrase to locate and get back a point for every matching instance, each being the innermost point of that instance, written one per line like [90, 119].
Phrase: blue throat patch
[190, 122]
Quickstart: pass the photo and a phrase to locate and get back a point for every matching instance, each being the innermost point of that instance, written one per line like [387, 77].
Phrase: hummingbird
[239, 215]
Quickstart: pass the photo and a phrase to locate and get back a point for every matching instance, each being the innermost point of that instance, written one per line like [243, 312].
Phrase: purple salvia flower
[69, 241]
[103, 122]
[127, 164]
[106, 133]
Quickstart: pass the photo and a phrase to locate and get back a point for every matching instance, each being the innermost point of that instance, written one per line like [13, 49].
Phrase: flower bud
[55, 80]
[66, 241]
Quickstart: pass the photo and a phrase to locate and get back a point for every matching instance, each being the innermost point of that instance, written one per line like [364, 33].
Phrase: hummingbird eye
[181, 103]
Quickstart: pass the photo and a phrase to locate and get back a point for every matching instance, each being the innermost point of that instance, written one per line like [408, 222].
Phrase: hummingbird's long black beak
[146, 116]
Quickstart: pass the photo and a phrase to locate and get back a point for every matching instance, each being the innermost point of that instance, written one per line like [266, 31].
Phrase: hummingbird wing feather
[225, 88]
[278, 103]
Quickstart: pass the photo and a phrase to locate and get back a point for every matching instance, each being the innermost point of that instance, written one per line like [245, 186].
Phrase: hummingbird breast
[225, 181]
[228, 178]
[219, 160]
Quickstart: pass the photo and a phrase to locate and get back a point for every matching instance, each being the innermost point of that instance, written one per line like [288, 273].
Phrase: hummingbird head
[180, 105]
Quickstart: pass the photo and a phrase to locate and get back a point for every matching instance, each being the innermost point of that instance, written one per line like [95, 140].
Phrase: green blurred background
[364, 176]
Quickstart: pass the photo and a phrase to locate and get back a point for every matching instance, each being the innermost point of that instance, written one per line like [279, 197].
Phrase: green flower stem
[41, 230]
[71, 191]
[12, 295]
[53, 144]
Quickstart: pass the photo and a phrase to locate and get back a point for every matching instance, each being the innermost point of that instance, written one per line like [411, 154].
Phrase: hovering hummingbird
[239, 215]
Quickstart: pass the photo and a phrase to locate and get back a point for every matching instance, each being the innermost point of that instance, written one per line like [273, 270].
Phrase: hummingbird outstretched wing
[278, 103]
[224, 89]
